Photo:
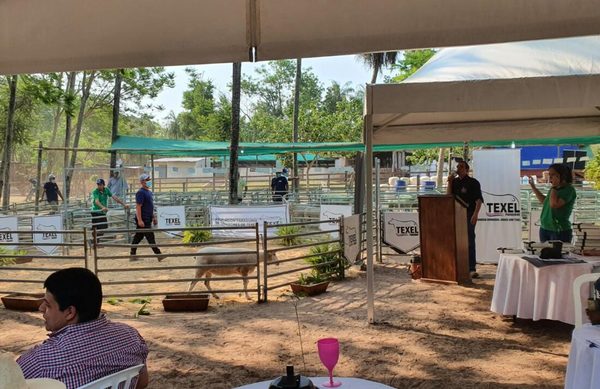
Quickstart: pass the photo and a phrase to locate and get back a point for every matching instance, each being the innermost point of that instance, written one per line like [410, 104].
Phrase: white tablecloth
[536, 293]
[583, 370]
[347, 383]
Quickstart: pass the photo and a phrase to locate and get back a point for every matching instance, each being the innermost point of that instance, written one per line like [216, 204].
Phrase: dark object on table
[23, 302]
[554, 252]
[291, 381]
[191, 302]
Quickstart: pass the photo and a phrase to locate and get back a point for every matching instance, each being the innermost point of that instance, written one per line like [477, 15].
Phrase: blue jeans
[472, 251]
[565, 236]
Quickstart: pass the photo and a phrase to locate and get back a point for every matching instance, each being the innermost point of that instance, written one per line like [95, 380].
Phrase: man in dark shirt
[52, 193]
[145, 218]
[279, 187]
[468, 190]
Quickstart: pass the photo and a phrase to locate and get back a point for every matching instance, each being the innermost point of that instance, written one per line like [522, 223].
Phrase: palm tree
[378, 61]
[236, 86]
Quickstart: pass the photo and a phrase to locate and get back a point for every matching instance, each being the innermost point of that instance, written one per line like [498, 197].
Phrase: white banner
[49, 225]
[8, 225]
[499, 223]
[228, 216]
[171, 217]
[534, 225]
[401, 230]
[334, 213]
[352, 238]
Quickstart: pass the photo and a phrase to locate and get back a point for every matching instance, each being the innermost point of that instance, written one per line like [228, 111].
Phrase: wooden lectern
[444, 239]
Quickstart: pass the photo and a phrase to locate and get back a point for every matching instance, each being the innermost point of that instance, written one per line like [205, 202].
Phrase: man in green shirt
[100, 197]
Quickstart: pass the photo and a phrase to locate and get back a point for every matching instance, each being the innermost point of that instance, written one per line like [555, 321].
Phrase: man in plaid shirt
[83, 345]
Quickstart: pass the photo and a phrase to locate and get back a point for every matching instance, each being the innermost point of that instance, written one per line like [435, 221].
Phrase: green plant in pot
[196, 236]
[326, 259]
[310, 284]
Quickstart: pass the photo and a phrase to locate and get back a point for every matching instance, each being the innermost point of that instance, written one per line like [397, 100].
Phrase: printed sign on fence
[231, 216]
[48, 225]
[7, 227]
[401, 230]
[333, 213]
[171, 217]
[352, 238]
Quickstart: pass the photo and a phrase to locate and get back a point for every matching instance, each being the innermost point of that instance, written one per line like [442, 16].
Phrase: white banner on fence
[228, 216]
[499, 223]
[171, 217]
[352, 238]
[401, 230]
[334, 213]
[7, 226]
[49, 225]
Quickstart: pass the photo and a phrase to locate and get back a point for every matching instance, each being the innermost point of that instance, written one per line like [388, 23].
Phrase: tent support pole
[369, 220]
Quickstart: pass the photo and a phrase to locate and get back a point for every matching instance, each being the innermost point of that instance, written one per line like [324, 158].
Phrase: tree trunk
[298, 85]
[51, 156]
[374, 74]
[236, 85]
[8, 142]
[69, 108]
[115, 116]
[86, 85]
[440, 168]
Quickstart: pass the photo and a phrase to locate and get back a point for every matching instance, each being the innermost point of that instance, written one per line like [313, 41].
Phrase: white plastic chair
[577, 283]
[114, 380]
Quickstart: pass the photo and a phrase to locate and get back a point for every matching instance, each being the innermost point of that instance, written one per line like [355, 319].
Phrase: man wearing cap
[145, 218]
[100, 197]
[279, 187]
[117, 184]
[83, 345]
[52, 192]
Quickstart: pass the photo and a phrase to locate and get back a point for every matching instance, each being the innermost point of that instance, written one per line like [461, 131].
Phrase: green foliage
[196, 236]
[289, 230]
[6, 261]
[114, 301]
[411, 61]
[325, 257]
[314, 277]
[142, 311]
[140, 300]
[592, 169]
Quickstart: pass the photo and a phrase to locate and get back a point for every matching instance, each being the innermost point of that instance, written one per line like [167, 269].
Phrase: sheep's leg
[245, 275]
[193, 283]
[207, 283]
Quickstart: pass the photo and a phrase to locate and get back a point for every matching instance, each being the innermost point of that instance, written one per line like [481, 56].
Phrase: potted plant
[311, 284]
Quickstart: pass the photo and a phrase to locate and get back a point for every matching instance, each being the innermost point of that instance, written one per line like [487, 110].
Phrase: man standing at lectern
[468, 190]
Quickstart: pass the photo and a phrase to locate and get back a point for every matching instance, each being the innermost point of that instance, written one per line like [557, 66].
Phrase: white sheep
[215, 256]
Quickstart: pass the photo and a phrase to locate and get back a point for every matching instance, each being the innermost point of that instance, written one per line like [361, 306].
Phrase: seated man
[83, 345]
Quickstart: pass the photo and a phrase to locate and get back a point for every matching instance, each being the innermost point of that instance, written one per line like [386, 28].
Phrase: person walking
[468, 189]
[279, 187]
[117, 184]
[100, 197]
[145, 218]
[52, 193]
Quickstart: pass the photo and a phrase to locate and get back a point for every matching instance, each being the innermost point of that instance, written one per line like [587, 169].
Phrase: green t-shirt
[557, 219]
[102, 197]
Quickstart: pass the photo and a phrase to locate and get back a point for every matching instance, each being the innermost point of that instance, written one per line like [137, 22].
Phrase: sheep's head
[272, 257]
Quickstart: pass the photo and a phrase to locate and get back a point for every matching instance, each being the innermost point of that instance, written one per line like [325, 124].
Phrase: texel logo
[351, 234]
[332, 216]
[49, 232]
[405, 227]
[502, 205]
[171, 219]
[6, 236]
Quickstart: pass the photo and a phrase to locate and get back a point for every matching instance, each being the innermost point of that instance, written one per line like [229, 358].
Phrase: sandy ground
[427, 336]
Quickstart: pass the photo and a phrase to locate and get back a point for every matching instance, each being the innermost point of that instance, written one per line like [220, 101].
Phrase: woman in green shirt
[555, 223]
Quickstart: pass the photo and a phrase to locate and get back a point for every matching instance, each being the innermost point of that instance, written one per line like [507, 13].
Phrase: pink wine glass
[329, 352]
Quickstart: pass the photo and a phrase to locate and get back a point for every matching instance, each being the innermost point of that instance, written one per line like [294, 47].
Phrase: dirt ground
[427, 335]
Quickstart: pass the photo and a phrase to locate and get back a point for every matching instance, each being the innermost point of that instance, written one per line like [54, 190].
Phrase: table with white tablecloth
[583, 370]
[347, 383]
[529, 292]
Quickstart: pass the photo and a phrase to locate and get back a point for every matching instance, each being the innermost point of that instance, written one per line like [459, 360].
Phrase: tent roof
[42, 36]
[172, 147]
[553, 99]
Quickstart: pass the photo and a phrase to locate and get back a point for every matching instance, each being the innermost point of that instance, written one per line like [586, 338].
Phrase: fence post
[341, 254]
[265, 248]
[95, 250]
[85, 248]
[128, 224]
[258, 262]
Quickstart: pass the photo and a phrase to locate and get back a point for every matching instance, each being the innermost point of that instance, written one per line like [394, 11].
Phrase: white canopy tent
[60, 35]
[513, 92]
